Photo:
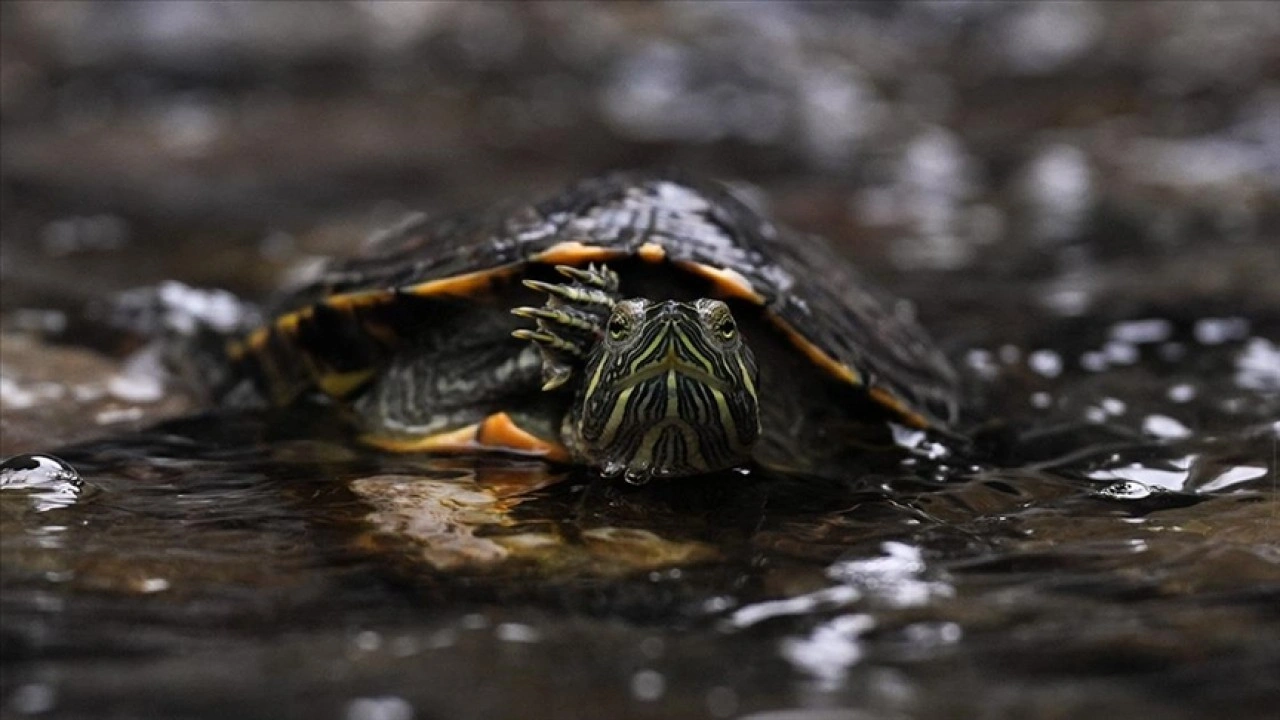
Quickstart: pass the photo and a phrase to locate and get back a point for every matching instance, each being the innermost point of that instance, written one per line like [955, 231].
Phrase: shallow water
[1090, 234]
[1115, 552]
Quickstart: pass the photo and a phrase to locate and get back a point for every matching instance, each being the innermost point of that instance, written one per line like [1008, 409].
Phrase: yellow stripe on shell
[364, 298]
[894, 403]
[464, 284]
[651, 252]
[288, 322]
[816, 355]
[572, 252]
[729, 283]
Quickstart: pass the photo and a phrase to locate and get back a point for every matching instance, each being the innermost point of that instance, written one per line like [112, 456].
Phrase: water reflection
[466, 522]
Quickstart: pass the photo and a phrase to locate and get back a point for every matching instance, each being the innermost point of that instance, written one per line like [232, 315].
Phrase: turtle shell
[695, 237]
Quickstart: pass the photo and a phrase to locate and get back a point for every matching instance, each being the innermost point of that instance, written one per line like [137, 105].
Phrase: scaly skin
[665, 389]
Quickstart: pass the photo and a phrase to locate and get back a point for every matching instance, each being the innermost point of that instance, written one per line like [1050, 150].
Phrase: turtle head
[668, 390]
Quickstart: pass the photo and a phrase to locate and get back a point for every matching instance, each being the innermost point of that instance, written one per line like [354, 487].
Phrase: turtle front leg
[572, 321]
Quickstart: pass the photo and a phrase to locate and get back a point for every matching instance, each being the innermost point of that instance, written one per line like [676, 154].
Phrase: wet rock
[467, 524]
[56, 395]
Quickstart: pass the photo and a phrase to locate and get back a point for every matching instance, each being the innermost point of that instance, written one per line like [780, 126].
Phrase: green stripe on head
[669, 390]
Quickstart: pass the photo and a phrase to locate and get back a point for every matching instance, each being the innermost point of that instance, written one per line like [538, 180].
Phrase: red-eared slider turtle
[646, 325]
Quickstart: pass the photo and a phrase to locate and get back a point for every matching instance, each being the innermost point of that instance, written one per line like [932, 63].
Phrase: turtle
[641, 324]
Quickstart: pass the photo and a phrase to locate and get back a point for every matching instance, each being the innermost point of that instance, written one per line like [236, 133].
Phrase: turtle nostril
[669, 312]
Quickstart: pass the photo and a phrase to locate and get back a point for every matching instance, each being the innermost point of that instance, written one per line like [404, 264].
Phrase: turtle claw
[548, 341]
[562, 315]
[567, 293]
[554, 375]
[572, 320]
[599, 276]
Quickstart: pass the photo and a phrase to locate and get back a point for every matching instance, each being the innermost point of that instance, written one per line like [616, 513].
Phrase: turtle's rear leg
[462, 399]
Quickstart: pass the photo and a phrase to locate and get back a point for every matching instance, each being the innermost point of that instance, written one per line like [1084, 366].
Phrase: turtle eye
[726, 328]
[618, 328]
[717, 319]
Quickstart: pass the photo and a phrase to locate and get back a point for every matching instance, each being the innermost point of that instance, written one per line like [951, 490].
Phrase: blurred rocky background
[1123, 156]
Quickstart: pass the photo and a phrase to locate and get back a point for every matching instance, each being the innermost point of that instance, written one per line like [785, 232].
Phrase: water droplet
[830, 650]
[933, 633]
[983, 363]
[517, 633]
[1147, 478]
[836, 596]
[718, 603]
[32, 699]
[153, 585]
[475, 621]
[387, 707]
[648, 685]
[25, 471]
[638, 476]
[1120, 353]
[1126, 490]
[1113, 406]
[1093, 361]
[368, 640]
[48, 481]
[1046, 363]
[112, 416]
[1258, 366]
[1182, 393]
[1150, 330]
[1215, 331]
[1163, 426]
[904, 437]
